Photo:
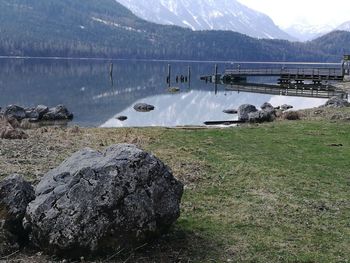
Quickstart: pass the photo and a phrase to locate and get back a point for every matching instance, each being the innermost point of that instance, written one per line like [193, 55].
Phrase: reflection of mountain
[196, 107]
[84, 87]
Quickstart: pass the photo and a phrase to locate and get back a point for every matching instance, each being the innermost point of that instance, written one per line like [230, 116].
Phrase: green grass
[277, 192]
[273, 193]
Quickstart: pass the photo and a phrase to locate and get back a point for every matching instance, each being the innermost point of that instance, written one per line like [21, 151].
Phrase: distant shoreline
[172, 60]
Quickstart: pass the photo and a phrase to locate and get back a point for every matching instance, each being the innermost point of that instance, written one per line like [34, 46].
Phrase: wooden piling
[189, 76]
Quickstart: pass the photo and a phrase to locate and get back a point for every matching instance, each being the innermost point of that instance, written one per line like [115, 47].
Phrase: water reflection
[196, 107]
[86, 89]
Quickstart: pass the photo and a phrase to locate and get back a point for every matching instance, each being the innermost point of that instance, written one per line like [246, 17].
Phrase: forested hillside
[104, 28]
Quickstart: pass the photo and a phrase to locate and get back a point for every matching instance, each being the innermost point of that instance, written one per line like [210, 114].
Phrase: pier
[286, 77]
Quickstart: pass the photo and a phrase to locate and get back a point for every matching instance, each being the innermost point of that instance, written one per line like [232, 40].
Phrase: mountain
[332, 43]
[207, 15]
[345, 26]
[105, 28]
[305, 32]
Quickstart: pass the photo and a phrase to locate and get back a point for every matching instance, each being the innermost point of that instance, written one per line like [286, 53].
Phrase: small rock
[15, 111]
[244, 110]
[291, 115]
[230, 111]
[336, 102]
[174, 89]
[15, 195]
[143, 107]
[261, 116]
[286, 107]
[122, 118]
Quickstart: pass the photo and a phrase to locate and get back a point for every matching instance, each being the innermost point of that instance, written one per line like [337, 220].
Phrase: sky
[313, 12]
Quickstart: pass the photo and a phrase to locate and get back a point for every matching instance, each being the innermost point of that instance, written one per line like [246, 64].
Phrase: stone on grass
[244, 110]
[267, 107]
[15, 195]
[97, 202]
[261, 116]
[291, 115]
[336, 102]
[285, 107]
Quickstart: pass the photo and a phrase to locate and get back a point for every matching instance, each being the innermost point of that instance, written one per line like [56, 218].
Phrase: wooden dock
[285, 75]
[290, 74]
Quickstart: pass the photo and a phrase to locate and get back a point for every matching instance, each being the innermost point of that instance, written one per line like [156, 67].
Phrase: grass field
[276, 192]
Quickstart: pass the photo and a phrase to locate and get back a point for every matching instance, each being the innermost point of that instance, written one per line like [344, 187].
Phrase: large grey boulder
[143, 107]
[336, 102]
[267, 107]
[60, 112]
[32, 114]
[41, 110]
[95, 202]
[15, 195]
[15, 111]
[244, 110]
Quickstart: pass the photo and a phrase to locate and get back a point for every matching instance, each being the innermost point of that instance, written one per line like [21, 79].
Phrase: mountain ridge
[207, 15]
[106, 29]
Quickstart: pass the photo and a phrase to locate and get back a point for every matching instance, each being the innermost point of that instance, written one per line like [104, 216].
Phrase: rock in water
[15, 111]
[244, 110]
[41, 110]
[143, 107]
[98, 202]
[122, 118]
[336, 102]
[60, 112]
[15, 195]
[230, 111]
[261, 116]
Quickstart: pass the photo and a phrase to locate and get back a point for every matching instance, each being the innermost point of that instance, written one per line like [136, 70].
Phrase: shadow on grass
[179, 245]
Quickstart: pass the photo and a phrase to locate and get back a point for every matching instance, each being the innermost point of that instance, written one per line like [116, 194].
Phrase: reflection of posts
[169, 76]
[111, 74]
[111, 70]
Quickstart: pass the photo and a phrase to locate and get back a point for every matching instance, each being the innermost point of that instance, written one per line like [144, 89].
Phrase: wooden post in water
[189, 76]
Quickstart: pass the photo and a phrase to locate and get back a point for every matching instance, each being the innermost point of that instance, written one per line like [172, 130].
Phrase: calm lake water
[85, 87]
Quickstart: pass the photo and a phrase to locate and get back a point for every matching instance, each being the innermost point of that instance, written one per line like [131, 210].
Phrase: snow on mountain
[305, 32]
[345, 26]
[207, 15]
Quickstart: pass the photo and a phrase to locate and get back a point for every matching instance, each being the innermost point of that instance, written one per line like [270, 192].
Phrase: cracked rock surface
[15, 194]
[96, 202]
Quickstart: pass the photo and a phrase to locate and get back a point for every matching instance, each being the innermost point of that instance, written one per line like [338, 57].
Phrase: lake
[85, 87]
